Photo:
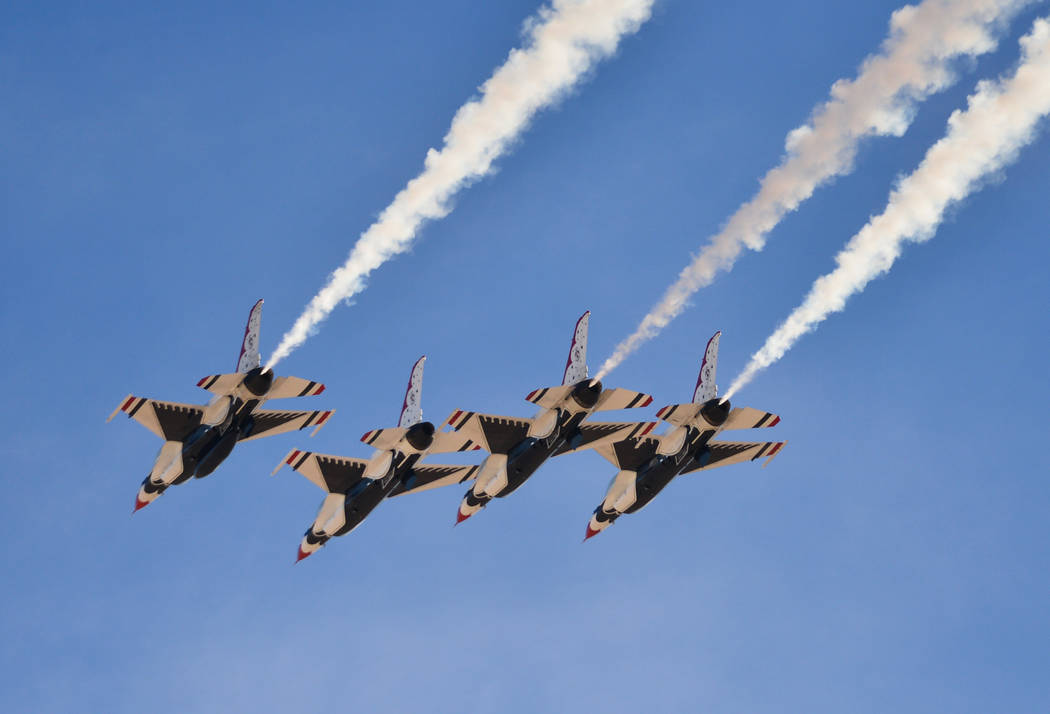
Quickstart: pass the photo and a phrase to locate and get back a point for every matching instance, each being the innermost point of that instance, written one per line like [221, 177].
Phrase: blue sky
[164, 168]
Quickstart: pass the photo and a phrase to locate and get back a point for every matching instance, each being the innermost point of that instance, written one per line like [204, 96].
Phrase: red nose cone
[139, 503]
[590, 533]
[301, 555]
[461, 516]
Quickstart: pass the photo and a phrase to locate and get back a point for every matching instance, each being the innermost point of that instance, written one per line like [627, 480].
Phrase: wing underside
[630, 454]
[596, 434]
[170, 421]
[267, 422]
[427, 476]
[333, 474]
[495, 434]
[724, 453]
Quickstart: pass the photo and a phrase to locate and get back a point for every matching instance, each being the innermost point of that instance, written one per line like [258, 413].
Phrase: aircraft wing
[332, 474]
[748, 418]
[426, 477]
[595, 434]
[268, 422]
[170, 421]
[724, 453]
[495, 434]
[630, 454]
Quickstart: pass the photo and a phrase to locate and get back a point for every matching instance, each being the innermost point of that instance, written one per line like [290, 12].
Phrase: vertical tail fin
[576, 365]
[412, 407]
[706, 389]
[249, 357]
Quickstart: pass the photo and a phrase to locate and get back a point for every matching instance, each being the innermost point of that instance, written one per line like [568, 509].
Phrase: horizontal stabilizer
[549, 397]
[617, 398]
[748, 418]
[679, 414]
[426, 477]
[332, 474]
[267, 422]
[220, 383]
[288, 387]
[170, 421]
[384, 439]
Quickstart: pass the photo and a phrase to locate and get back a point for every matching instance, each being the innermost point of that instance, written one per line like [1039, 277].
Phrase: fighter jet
[198, 438]
[518, 447]
[354, 487]
[648, 463]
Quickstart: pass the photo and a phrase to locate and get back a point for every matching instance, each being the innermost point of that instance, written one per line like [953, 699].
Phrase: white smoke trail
[1000, 119]
[915, 61]
[563, 41]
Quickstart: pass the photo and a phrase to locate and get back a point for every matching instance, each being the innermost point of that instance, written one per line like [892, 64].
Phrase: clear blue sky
[163, 168]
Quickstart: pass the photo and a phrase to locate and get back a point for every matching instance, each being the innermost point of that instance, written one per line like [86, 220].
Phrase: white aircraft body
[198, 438]
[355, 487]
[648, 463]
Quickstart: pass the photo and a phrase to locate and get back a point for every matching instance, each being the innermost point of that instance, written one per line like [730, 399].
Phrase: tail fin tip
[576, 364]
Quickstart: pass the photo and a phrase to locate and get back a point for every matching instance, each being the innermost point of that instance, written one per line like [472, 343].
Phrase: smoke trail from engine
[1001, 118]
[915, 61]
[563, 41]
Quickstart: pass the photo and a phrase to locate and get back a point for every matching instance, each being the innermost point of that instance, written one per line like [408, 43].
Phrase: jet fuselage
[530, 453]
[368, 493]
[660, 470]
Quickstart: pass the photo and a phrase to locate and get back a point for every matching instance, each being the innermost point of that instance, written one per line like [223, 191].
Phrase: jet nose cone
[302, 554]
[139, 504]
[590, 533]
[461, 516]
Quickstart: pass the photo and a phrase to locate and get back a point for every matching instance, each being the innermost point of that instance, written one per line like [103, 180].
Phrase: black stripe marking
[667, 416]
[762, 450]
[467, 446]
[309, 420]
[136, 407]
[762, 421]
[634, 401]
[375, 436]
[306, 455]
[539, 396]
[306, 391]
[211, 381]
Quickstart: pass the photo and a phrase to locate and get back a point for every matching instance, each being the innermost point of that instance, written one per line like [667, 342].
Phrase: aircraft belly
[650, 482]
[523, 465]
[358, 506]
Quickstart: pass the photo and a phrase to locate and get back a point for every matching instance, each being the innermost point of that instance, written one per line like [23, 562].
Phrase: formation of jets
[198, 438]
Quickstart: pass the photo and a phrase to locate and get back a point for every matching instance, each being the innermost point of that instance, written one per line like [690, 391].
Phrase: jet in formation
[518, 446]
[198, 438]
[355, 487]
[647, 463]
